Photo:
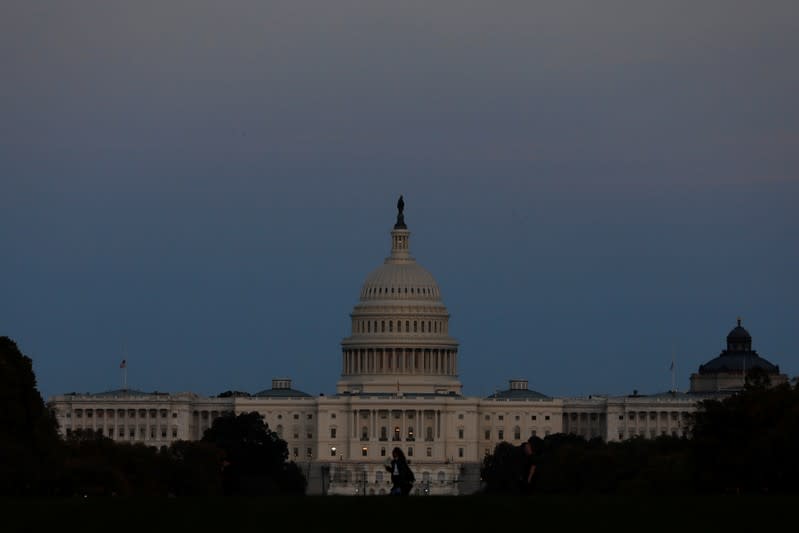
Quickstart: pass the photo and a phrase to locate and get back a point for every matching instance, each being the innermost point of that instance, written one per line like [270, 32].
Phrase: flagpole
[673, 384]
[124, 366]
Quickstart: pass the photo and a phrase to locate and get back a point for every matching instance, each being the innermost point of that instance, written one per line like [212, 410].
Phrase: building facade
[399, 386]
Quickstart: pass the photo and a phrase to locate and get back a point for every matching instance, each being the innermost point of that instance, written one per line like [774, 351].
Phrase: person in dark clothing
[402, 477]
[527, 467]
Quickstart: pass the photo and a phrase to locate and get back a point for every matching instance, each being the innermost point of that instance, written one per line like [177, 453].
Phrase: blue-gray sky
[201, 187]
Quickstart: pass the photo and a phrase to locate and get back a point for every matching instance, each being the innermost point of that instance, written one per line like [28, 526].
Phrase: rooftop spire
[400, 237]
[400, 216]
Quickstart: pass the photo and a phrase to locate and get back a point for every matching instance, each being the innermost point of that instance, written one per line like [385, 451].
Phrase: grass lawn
[386, 514]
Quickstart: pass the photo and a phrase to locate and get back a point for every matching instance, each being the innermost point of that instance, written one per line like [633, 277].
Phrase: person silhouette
[402, 477]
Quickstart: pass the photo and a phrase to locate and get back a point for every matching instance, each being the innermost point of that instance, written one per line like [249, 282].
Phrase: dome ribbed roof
[406, 280]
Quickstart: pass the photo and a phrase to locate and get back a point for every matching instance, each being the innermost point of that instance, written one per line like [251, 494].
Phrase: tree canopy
[29, 443]
[255, 458]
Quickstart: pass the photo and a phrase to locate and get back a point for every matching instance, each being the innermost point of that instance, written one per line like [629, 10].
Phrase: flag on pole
[671, 366]
[123, 364]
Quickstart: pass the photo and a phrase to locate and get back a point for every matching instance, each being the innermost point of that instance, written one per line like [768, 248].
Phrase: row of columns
[399, 361]
[404, 422]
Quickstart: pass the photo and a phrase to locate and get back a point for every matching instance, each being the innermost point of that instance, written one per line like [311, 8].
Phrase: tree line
[746, 442]
[238, 455]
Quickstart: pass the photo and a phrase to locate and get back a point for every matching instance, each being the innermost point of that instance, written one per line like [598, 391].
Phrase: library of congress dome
[399, 386]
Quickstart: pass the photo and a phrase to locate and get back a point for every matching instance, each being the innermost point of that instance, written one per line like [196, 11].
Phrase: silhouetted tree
[98, 466]
[234, 394]
[196, 468]
[748, 441]
[501, 470]
[255, 458]
[29, 443]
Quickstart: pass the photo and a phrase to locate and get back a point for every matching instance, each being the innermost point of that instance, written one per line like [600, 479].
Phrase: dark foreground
[386, 514]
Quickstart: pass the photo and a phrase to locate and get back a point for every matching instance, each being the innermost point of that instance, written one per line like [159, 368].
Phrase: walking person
[527, 467]
[402, 477]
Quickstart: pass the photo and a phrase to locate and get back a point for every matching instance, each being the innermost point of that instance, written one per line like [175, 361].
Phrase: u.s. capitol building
[399, 386]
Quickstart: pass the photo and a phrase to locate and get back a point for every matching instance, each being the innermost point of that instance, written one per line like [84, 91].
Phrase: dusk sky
[201, 187]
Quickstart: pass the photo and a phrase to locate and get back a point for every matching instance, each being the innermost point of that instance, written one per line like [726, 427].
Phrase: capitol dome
[400, 342]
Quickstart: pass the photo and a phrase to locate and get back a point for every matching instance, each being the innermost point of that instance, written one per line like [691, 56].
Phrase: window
[460, 416]
[460, 433]
[174, 415]
[174, 433]
[332, 433]
[364, 451]
[488, 434]
[332, 451]
[429, 452]
[517, 433]
[382, 452]
[429, 433]
[488, 417]
[296, 416]
[546, 417]
[309, 435]
[310, 417]
[308, 453]
[296, 452]
[460, 452]
[517, 417]
[501, 434]
[501, 417]
[410, 452]
[296, 434]
[364, 433]
[332, 415]
[397, 433]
